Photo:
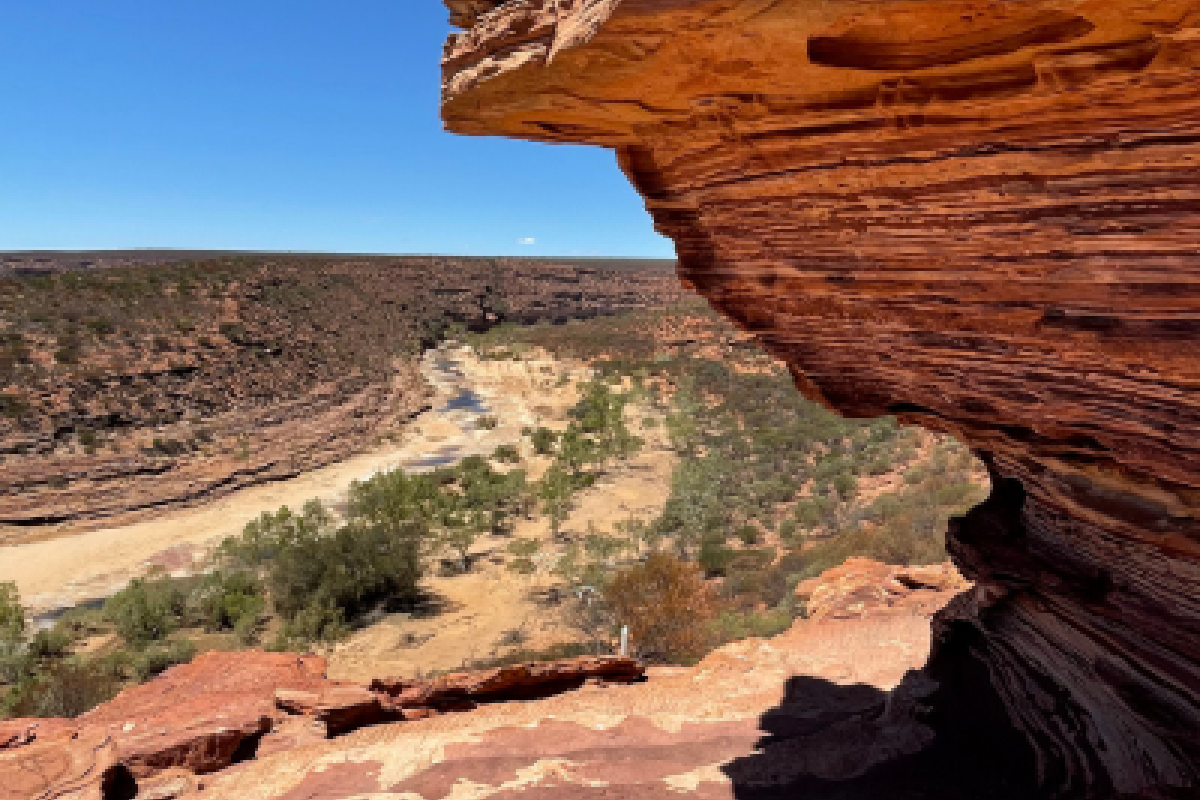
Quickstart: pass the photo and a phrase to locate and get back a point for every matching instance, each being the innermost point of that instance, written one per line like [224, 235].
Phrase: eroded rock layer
[982, 217]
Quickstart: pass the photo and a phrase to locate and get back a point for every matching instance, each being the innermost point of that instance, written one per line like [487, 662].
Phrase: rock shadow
[826, 741]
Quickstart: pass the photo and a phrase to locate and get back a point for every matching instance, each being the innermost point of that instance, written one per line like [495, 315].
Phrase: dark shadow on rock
[826, 741]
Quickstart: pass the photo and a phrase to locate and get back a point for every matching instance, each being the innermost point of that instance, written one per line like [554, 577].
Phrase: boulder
[863, 586]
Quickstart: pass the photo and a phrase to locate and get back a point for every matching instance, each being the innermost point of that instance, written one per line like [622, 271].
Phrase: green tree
[555, 491]
[147, 609]
[12, 614]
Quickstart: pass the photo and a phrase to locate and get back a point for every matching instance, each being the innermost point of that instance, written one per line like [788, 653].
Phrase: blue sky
[271, 125]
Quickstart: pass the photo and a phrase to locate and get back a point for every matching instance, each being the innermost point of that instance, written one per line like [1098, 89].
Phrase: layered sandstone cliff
[983, 217]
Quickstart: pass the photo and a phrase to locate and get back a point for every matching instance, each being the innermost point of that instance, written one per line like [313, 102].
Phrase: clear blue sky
[271, 125]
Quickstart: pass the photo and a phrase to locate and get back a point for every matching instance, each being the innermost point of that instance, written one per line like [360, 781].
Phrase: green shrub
[11, 405]
[101, 326]
[749, 535]
[733, 626]
[50, 644]
[12, 613]
[153, 660]
[89, 439]
[522, 565]
[544, 441]
[67, 354]
[714, 557]
[233, 331]
[320, 576]
[226, 600]
[147, 610]
[506, 454]
[64, 689]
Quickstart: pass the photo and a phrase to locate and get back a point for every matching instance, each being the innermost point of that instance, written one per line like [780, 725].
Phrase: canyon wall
[126, 389]
[983, 217]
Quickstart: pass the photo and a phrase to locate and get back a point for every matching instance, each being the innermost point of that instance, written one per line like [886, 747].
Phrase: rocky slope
[980, 216]
[270, 726]
[127, 389]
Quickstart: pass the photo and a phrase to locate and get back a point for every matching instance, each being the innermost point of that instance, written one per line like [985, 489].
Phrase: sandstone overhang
[983, 217]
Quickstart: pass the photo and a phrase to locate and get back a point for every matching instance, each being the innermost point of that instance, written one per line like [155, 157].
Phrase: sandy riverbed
[66, 571]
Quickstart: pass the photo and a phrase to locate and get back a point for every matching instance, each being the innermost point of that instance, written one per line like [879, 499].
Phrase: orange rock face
[978, 216]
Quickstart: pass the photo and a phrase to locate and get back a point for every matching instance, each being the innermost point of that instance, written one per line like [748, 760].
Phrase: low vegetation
[769, 489]
[309, 576]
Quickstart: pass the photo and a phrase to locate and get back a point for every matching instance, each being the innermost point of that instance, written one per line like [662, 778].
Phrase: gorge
[981, 217]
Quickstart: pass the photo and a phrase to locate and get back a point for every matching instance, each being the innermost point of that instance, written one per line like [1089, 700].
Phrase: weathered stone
[198, 716]
[71, 769]
[15, 733]
[461, 691]
[980, 217]
[696, 731]
[862, 587]
[337, 707]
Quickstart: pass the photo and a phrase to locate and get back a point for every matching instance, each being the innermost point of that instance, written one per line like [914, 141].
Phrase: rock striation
[978, 216]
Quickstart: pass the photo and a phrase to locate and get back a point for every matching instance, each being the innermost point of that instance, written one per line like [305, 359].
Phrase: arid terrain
[127, 390]
[658, 438]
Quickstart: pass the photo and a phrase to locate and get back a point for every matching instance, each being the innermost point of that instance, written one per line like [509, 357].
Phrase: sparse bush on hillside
[64, 688]
[759, 460]
[667, 605]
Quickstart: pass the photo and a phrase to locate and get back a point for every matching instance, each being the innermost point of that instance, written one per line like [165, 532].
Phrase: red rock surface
[226, 708]
[806, 708]
[74, 769]
[19, 732]
[197, 715]
[863, 587]
[978, 216]
[463, 690]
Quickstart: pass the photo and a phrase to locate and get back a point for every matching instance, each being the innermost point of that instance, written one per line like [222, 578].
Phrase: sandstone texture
[128, 389]
[225, 709]
[978, 216]
[807, 708]
[863, 587]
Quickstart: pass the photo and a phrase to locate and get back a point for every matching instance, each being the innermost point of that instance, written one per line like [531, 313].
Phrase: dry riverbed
[476, 612]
